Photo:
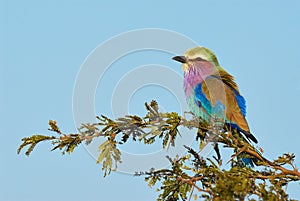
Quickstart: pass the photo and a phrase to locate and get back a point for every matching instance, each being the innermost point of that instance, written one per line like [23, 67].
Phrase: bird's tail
[249, 138]
[246, 161]
[250, 162]
[248, 135]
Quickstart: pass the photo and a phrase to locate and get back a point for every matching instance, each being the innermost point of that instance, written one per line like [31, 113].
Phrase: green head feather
[203, 53]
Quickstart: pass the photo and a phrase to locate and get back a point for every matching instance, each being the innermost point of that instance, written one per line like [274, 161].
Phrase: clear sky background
[43, 44]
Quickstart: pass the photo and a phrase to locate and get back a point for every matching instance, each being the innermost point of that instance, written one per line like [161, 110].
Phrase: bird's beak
[181, 59]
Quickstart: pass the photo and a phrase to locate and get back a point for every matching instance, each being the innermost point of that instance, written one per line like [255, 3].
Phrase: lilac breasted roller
[211, 91]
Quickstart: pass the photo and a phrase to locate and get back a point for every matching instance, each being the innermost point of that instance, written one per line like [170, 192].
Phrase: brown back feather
[227, 79]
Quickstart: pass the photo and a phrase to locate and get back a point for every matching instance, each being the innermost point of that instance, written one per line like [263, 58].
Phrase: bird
[211, 92]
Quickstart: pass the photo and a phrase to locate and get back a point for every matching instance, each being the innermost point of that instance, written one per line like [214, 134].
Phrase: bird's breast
[194, 76]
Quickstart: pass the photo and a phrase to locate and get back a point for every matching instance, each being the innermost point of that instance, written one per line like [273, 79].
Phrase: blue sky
[44, 43]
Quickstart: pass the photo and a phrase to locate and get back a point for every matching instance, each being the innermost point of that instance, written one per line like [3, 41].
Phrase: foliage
[190, 175]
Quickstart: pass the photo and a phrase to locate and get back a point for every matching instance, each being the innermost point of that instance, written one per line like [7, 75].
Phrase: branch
[191, 170]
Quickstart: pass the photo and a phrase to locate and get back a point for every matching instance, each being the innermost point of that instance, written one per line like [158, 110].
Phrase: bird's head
[196, 57]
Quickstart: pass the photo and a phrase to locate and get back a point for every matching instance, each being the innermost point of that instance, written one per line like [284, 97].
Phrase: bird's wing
[213, 94]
